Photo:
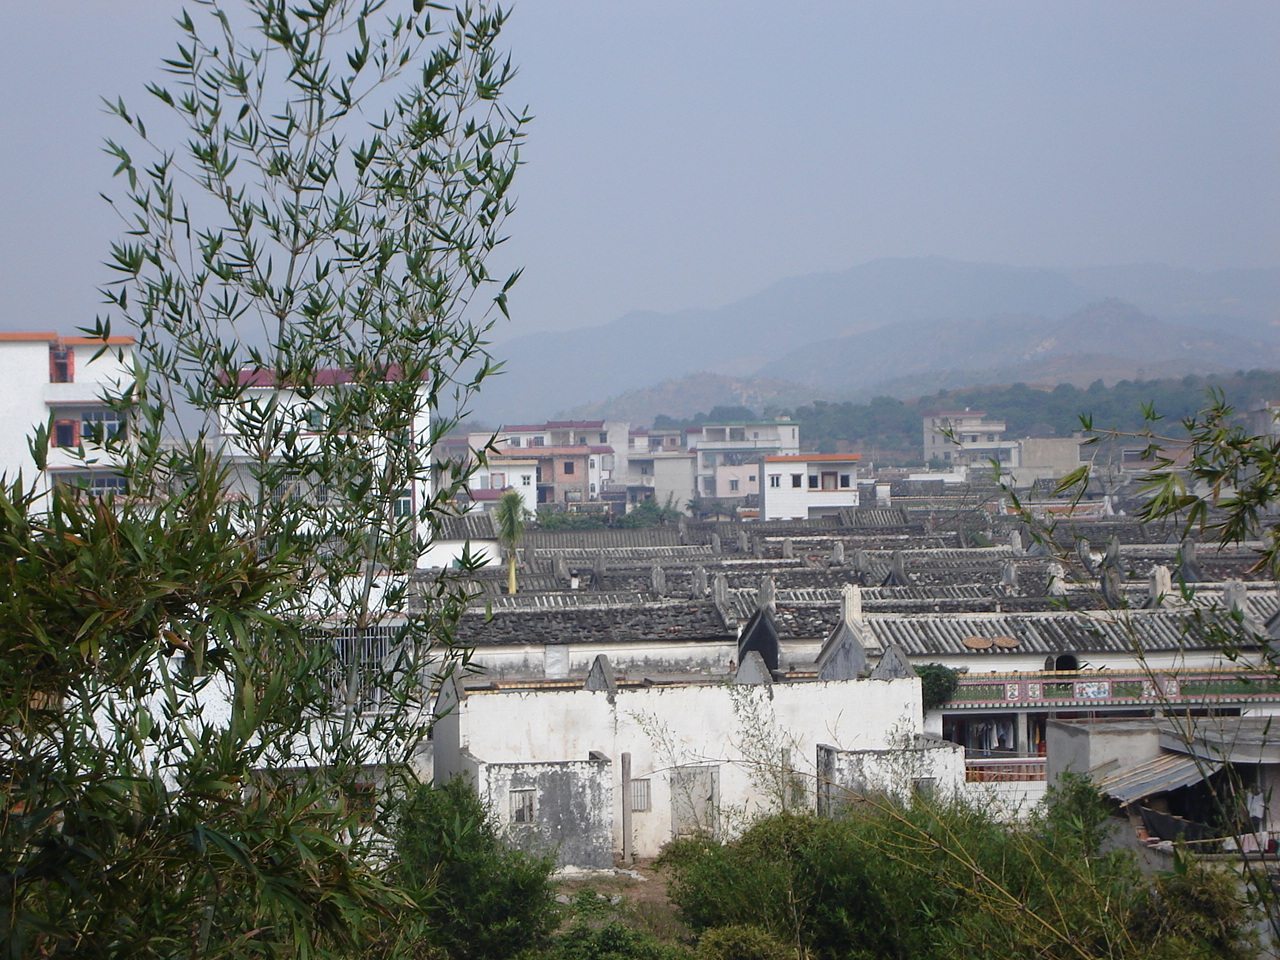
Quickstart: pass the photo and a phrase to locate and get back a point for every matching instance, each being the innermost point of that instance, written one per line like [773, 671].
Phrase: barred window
[640, 802]
[366, 665]
[522, 806]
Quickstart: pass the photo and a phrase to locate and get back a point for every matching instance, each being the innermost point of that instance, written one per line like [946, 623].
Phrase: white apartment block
[57, 382]
[806, 485]
[308, 416]
[720, 445]
[966, 436]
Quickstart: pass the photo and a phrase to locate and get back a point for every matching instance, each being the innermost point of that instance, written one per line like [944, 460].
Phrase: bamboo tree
[201, 680]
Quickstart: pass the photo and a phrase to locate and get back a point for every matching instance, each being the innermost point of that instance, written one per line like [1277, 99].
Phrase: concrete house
[600, 769]
[808, 485]
[966, 436]
[55, 381]
[737, 445]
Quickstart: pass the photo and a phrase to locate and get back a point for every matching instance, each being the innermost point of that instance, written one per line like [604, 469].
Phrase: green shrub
[479, 899]
[612, 940]
[742, 943]
[1197, 912]
[935, 881]
[938, 684]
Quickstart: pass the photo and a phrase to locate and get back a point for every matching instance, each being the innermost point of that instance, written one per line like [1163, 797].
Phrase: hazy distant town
[673, 482]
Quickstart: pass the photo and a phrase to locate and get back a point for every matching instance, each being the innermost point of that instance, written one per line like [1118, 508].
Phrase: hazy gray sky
[689, 152]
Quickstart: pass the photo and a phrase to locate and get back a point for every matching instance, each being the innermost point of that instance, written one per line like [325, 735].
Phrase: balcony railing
[1090, 688]
[1005, 770]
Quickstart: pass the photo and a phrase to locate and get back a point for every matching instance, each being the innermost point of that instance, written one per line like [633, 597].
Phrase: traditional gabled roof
[761, 634]
[753, 670]
[894, 665]
[1112, 631]
[608, 538]
[600, 678]
[645, 620]
[843, 657]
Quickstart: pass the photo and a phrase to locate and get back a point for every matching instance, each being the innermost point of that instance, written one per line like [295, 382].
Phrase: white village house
[61, 382]
[599, 770]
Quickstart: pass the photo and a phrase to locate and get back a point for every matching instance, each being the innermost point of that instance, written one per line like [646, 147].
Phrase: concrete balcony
[1004, 770]
[1088, 689]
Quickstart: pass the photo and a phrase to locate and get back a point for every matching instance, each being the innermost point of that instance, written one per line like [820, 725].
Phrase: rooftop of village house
[1082, 585]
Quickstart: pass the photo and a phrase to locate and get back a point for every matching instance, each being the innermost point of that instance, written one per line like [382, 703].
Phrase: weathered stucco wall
[741, 748]
[571, 803]
[1100, 746]
[933, 767]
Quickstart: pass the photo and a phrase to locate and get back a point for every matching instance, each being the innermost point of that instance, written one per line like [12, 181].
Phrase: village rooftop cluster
[676, 679]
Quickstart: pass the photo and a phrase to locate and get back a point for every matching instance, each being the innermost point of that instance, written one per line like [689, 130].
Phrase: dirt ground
[642, 904]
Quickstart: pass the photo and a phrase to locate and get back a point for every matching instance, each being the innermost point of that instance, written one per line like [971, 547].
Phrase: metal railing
[1005, 770]
[1085, 688]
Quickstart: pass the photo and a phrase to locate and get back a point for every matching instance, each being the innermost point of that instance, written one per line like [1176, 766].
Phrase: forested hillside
[889, 424]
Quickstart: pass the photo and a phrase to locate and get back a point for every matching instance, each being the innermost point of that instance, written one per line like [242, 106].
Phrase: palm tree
[510, 520]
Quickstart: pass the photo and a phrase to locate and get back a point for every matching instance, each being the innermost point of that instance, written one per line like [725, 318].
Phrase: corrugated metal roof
[477, 525]
[1169, 771]
[582, 600]
[1118, 631]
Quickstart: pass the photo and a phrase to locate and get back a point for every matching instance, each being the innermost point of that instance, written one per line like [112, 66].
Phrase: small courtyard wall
[713, 756]
[564, 809]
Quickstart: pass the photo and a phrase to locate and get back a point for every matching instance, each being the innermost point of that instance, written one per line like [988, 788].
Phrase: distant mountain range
[900, 327]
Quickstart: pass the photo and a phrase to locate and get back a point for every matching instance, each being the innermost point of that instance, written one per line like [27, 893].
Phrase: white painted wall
[29, 400]
[650, 658]
[291, 407]
[788, 502]
[741, 730]
[1010, 801]
[446, 553]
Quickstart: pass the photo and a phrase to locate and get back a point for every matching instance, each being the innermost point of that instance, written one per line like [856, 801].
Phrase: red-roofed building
[577, 460]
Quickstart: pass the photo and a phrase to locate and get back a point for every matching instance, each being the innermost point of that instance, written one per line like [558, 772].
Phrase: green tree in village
[942, 880]
[509, 517]
[204, 684]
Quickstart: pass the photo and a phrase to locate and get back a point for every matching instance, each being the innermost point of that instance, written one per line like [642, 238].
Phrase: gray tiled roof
[638, 621]
[662, 535]
[470, 526]
[1121, 631]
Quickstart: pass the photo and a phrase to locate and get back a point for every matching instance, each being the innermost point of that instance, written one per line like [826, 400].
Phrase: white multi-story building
[500, 475]
[720, 445]
[305, 418]
[967, 436]
[62, 383]
[806, 485]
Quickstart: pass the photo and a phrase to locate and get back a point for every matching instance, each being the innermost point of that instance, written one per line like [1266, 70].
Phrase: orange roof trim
[48, 336]
[813, 458]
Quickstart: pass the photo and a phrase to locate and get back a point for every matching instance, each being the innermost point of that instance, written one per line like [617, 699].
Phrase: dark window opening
[62, 365]
[66, 433]
[522, 809]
